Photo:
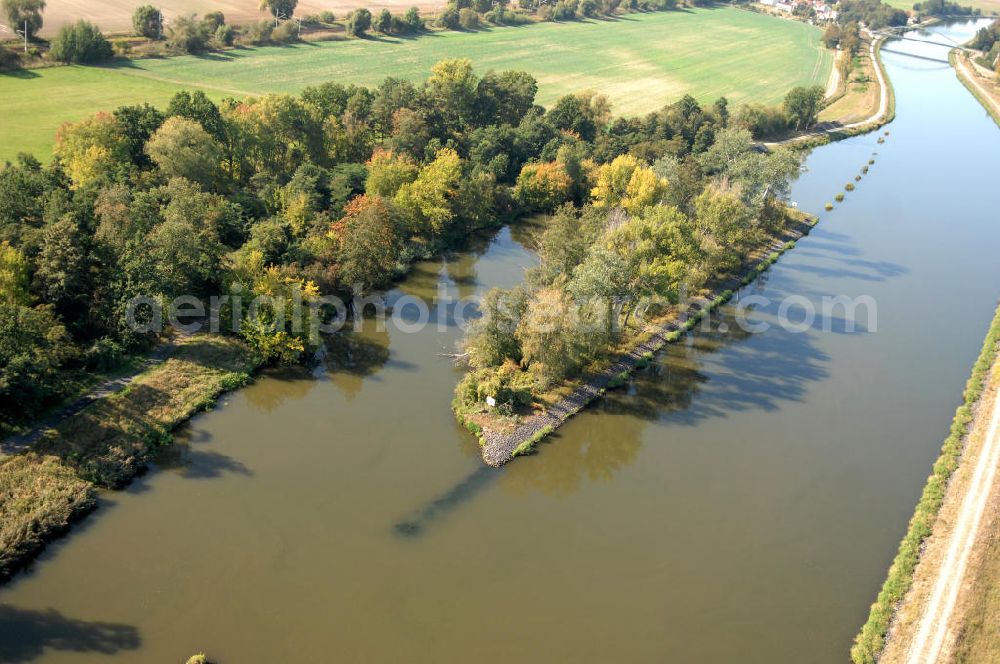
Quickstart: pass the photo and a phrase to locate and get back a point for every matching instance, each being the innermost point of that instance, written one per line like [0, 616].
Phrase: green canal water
[739, 501]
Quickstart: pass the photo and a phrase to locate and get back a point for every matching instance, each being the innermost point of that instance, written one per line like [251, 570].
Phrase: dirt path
[931, 642]
[834, 82]
[22, 441]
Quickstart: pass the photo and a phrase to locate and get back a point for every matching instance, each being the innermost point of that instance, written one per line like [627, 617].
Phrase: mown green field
[988, 6]
[641, 61]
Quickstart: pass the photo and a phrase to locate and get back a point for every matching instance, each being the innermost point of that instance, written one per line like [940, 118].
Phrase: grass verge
[109, 442]
[953, 59]
[870, 641]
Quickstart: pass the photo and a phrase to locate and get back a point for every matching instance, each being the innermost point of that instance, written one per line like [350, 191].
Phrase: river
[739, 501]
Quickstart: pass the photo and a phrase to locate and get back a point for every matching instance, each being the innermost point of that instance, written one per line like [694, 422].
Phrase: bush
[839, 197]
[849, 186]
[258, 33]
[188, 35]
[147, 21]
[9, 59]
[468, 19]
[327, 17]
[285, 33]
[828, 207]
[449, 19]
[588, 8]
[81, 43]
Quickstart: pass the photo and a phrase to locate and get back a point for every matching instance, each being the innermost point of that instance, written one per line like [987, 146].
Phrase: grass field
[641, 61]
[988, 6]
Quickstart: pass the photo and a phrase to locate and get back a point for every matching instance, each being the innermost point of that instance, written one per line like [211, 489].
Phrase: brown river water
[739, 501]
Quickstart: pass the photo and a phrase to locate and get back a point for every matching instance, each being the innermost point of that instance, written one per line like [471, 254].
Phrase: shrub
[258, 33]
[828, 207]
[588, 8]
[9, 59]
[200, 658]
[468, 19]
[81, 43]
[449, 18]
[849, 186]
[839, 197]
[618, 380]
[188, 35]
[285, 33]
[147, 21]
[546, 13]
[327, 17]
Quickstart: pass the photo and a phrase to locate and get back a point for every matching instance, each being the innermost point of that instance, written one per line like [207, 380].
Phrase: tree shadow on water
[26, 635]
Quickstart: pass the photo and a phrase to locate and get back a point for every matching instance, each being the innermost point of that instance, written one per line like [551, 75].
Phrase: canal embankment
[105, 444]
[911, 616]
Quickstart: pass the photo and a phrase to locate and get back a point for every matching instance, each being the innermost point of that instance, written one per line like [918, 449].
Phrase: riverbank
[986, 91]
[895, 617]
[107, 443]
[500, 440]
[839, 119]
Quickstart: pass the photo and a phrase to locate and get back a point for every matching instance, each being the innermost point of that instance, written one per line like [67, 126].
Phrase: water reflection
[356, 353]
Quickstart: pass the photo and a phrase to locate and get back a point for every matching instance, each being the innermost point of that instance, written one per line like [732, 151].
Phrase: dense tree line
[336, 189]
[873, 13]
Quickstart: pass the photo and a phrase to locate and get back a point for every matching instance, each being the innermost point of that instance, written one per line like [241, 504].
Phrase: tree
[182, 148]
[384, 22]
[544, 186]
[367, 243]
[505, 98]
[185, 247]
[549, 335]
[388, 172]
[279, 8]
[425, 203]
[91, 150]
[25, 14]
[147, 21]
[61, 269]
[81, 43]
[13, 275]
[451, 89]
[627, 184]
[492, 338]
[33, 347]
[802, 105]
[137, 123]
[359, 22]
[412, 18]
[198, 107]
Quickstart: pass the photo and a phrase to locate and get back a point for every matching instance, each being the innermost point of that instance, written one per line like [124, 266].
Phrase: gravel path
[499, 447]
[936, 620]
